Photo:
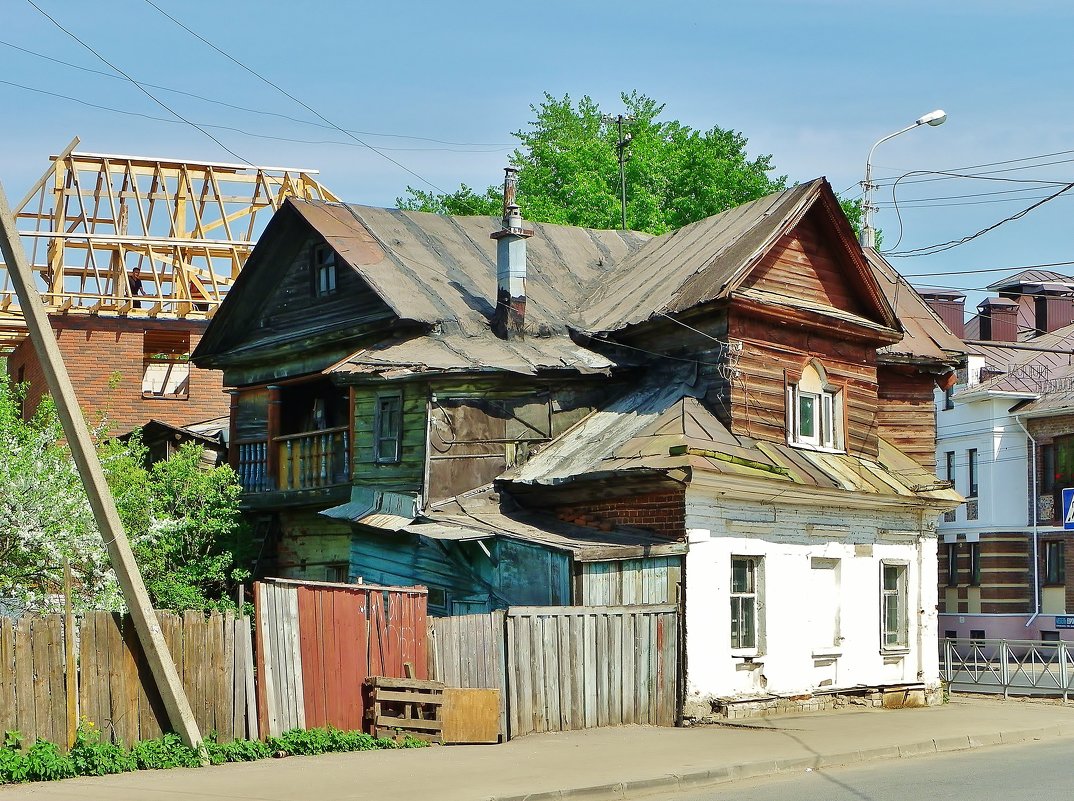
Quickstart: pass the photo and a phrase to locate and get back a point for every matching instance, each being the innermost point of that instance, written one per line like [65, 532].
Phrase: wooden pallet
[400, 708]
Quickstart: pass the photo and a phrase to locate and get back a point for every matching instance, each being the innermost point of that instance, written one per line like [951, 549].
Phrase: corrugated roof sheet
[1024, 364]
[481, 516]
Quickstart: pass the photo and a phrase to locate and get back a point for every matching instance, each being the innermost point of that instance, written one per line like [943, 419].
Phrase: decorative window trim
[826, 416]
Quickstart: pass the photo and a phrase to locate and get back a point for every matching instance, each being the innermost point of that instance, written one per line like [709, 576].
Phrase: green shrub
[167, 752]
[91, 757]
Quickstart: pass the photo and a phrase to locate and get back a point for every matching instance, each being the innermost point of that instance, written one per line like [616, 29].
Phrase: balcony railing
[314, 459]
[253, 465]
[307, 460]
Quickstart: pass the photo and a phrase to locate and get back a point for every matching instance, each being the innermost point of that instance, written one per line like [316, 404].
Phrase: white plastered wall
[789, 539]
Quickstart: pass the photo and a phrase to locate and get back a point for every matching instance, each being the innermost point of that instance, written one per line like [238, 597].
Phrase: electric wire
[292, 97]
[141, 88]
[497, 145]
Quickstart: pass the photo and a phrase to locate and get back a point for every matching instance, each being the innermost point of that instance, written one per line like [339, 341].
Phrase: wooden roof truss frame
[91, 219]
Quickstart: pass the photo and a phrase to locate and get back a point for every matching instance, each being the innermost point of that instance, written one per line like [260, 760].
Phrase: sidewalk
[596, 764]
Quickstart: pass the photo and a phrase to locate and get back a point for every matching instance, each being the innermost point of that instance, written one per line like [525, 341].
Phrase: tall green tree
[569, 170]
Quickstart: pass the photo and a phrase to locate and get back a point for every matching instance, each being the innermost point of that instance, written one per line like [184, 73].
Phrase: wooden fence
[317, 643]
[213, 656]
[566, 667]
[468, 651]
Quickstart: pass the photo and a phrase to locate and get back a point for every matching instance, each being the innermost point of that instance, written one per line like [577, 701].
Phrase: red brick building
[127, 371]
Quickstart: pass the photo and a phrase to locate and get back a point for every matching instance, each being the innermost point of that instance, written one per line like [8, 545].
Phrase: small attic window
[323, 267]
[814, 412]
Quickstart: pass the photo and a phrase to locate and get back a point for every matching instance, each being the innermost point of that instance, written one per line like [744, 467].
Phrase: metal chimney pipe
[510, 190]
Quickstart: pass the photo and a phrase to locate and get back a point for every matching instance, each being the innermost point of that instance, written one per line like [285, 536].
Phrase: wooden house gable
[804, 265]
[297, 308]
[816, 265]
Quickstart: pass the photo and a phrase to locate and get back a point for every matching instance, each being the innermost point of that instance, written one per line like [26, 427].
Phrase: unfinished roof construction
[187, 226]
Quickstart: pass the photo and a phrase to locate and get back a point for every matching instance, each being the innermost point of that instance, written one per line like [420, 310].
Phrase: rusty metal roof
[482, 515]
[692, 264]
[441, 271]
[925, 337]
[662, 427]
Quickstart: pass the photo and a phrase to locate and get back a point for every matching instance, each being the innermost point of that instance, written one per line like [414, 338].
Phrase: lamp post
[868, 233]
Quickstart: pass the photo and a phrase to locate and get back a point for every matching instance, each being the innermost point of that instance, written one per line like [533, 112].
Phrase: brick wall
[1044, 431]
[104, 357]
[664, 513]
[1006, 565]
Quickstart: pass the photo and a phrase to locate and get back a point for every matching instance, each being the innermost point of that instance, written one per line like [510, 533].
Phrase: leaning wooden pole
[160, 661]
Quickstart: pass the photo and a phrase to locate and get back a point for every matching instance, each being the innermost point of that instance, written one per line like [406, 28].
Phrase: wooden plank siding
[803, 264]
[406, 475]
[906, 413]
[758, 401]
[653, 580]
[468, 651]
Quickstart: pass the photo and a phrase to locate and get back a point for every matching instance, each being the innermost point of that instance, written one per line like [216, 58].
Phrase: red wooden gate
[318, 642]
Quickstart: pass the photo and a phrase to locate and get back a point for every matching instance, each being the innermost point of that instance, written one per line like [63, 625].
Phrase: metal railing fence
[1010, 667]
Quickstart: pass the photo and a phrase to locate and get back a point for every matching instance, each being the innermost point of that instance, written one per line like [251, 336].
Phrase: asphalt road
[1034, 770]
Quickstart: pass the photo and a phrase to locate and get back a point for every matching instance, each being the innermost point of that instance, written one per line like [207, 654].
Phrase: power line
[141, 88]
[942, 246]
[224, 103]
[233, 129]
[989, 270]
[287, 94]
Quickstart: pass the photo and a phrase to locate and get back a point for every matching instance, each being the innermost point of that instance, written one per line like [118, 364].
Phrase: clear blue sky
[812, 83]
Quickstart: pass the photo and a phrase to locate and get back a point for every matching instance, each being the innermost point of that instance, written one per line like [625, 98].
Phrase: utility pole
[180, 715]
[621, 147]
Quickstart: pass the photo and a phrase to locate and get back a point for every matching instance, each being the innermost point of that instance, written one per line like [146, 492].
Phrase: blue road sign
[1068, 508]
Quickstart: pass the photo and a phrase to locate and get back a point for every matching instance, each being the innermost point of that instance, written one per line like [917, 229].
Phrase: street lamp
[868, 234]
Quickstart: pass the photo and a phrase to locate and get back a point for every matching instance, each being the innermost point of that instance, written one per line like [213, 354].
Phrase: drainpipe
[1036, 560]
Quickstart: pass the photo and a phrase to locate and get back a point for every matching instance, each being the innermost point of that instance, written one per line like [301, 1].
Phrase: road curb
[701, 779]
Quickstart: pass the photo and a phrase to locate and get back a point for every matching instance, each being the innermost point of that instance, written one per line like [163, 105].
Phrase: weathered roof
[1056, 395]
[1018, 280]
[925, 337]
[703, 261]
[481, 515]
[441, 271]
[1024, 365]
[671, 431]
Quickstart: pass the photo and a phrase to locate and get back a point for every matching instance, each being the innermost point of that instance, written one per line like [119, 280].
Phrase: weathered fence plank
[577, 667]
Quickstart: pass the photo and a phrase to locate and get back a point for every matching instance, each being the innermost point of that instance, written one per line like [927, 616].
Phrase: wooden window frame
[379, 436]
[895, 639]
[323, 271]
[745, 642]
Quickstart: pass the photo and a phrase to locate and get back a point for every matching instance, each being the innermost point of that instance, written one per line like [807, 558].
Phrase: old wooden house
[727, 416]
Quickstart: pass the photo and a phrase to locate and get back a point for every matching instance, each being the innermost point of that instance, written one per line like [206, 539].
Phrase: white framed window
[894, 612]
[744, 612]
[814, 411]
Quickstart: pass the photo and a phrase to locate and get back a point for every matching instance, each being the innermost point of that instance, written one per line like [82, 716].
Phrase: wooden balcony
[304, 461]
[314, 459]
